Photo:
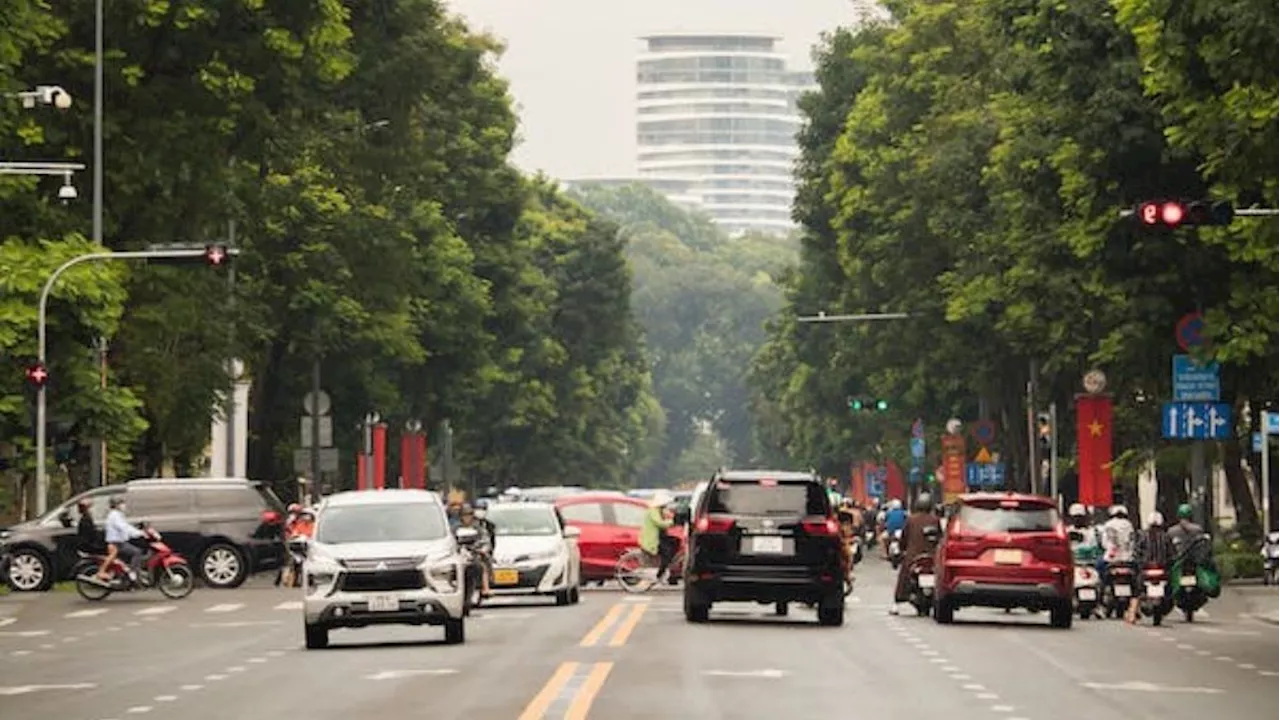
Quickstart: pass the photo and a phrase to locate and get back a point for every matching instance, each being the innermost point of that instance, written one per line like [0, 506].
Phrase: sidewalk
[1261, 602]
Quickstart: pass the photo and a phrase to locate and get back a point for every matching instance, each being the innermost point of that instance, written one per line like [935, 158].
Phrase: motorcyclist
[88, 539]
[1087, 549]
[1154, 549]
[914, 544]
[1184, 531]
[118, 534]
[482, 548]
[654, 539]
[895, 519]
[1118, 541]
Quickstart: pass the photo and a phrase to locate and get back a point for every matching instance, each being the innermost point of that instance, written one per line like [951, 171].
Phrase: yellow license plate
[506, 577]
[1008, 557]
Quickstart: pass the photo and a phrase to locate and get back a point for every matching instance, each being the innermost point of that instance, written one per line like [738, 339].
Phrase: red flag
[379, 455]
[1093, 435]
[894, 487]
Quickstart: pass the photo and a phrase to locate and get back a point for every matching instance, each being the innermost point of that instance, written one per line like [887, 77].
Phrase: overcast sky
[571, 65]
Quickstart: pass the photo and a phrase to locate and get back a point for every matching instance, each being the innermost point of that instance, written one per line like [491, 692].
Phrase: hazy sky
[571, 65]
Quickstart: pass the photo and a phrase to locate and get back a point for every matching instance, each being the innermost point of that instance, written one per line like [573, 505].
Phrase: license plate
[384, 603]
[506, 577]
[1155, 590]
[926, 582]
[767, 544]
[1087, 594]
[1123, 591]
[1008, 557]
[893, 548]
[1188, 581]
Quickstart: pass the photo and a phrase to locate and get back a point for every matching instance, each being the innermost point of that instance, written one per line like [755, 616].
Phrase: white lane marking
[20, 653]
[929, 653]
[224, 608]
[165, 698]
[6, 621]
[771, 674]
[25, 689]
[987, 696]
[24, 633]
[397, 674]
[960, 676]
[257, 661]
[237, 624]
[974, 687]
[273, 653]
[70, 639]
[133, 623]
[215, 677]
[157, 610]
[139, 709]
[1247, 666]
[85, 613]
[1002, 708]
[47, 646]
[1184, 646]
[1218, 631]
[1268, 673]
[291, 605]
[235, 669]
[1203, 653]
[191, 688]
[530, 616]
[1224, 658]
[114, 628]
[1140, 686]
[937, 660]
[1166, 638]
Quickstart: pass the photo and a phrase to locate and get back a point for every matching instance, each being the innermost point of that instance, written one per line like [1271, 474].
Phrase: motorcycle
[1118, 590]
[895, 549]
[1087, 589]
[922, 579]
[1270, 558]
[1156, 599]
[162, 569]
[1192, 592]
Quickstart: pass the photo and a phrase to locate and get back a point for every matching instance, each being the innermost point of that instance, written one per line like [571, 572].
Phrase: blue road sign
[915, 476]
[987, 476]
[917, 448]
[1193, 382]
[984, 431]
[1257, 442]
[1271, 423]
[875, 487]
[1196, 421]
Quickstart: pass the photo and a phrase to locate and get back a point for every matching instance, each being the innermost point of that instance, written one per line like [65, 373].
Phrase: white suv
[383, 557]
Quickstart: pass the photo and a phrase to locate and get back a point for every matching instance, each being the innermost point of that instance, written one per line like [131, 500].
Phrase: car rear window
[766, 498]
[1005, 517]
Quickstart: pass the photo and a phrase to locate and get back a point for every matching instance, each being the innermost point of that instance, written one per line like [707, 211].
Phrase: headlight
[545, 555]
[320, 572]
[444, 577]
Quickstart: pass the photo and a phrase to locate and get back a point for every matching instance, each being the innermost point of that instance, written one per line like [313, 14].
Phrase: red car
[1005, 550]
[610, 525]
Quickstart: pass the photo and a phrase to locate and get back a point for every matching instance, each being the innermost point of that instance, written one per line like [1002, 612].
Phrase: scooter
[1088, 589]
[165, 570]
[1118, 590]
[1156, 599]
[895, 549]
[1270, 558]
[922, 579]
[1189, 595]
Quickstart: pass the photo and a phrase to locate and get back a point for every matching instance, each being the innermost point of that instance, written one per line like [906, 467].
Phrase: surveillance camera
[54, 95]
[67, 193]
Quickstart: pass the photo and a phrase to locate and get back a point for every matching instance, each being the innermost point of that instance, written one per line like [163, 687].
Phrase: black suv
[767, 537]
[225, 528]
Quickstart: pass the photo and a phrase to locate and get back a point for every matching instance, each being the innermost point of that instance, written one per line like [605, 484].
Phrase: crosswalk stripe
[290, 605]
[224, 608]
[157, 610]
[85, 613]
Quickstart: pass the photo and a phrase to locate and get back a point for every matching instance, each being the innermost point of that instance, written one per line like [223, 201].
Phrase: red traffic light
[37, 375]
[1175, 213]
[1169, 214]
[216, 255]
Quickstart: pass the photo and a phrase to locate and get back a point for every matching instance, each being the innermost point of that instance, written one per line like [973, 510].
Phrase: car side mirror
[466, 535]
[298, 545]
[64, 517]
[572, 532]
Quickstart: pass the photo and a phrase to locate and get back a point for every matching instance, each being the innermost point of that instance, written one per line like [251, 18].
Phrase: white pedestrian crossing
[157, 610]
[224, 608]
[86, 613]
[290, 605]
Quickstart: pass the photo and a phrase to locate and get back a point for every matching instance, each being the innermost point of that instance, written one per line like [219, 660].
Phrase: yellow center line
[586, 695]
[537, 707]
[603, 626]
[624, 629]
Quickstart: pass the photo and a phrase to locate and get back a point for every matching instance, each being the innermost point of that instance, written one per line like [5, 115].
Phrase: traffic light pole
[42, 477]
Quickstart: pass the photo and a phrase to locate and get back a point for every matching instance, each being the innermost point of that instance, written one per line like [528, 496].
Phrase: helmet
[118, 501]
[661, 498]
[1155, 519]
[1184, 512]
[1118, 511]
[924, 502]
[1077, 510]
[895, 504]
[294, 508]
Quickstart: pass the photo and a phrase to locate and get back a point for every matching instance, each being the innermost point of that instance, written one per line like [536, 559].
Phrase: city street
[238, 654]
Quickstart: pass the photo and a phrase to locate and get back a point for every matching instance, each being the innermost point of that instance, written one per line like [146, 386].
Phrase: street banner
[1093, 436]
[895, 486]
[953, 459]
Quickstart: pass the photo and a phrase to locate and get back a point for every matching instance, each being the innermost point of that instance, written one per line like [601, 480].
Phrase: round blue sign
[1190, 331]
[984, 431]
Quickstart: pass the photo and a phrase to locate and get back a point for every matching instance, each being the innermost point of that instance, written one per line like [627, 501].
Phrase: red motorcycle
[163, 569]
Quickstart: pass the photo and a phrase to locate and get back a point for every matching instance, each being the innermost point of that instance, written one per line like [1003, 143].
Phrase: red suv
[1005, 550]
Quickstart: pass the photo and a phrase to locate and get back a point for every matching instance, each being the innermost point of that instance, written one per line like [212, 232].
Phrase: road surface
[238, 654]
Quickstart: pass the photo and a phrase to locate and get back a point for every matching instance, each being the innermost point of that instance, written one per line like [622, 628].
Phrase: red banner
[857, 484]
[953, 457]
[380, 456]
[1093, 436]
[894, 487]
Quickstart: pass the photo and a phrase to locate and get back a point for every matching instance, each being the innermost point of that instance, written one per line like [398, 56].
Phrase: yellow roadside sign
[983, 456]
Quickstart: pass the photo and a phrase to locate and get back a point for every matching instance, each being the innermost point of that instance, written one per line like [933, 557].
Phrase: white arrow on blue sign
[1196, 421]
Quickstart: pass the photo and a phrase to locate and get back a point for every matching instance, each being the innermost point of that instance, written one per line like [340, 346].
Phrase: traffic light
[1177, 213]
[854, 404]
[216, 255]
[858, 405]
[882, 405]
[37, 375]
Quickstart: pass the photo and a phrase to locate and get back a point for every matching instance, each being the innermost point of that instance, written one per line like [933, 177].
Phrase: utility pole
[315, 424]
[1033, 467]
[1053, 450]
[98, 451]
[235, 366]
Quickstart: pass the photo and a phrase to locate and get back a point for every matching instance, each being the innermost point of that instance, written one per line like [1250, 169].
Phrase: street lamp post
[97, 123]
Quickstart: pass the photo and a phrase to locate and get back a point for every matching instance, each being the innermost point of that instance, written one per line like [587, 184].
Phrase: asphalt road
[238, 654]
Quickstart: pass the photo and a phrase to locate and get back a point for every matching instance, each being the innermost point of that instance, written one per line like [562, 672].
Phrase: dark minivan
[765, 536]
[226, 529]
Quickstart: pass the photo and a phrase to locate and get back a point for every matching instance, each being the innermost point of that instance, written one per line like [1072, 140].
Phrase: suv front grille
[383, 564]
[383, 580]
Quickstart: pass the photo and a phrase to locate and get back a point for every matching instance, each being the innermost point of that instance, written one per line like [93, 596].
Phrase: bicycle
[637, 571]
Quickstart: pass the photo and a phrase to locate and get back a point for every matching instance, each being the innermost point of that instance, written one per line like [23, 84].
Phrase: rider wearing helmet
[895, 519]
[914, 544]
[1085, 545]
[1185, 530]
[1119, 539]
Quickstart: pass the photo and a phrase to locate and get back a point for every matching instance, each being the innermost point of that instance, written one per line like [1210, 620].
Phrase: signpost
[316, 455]
[1196, 421]
[953, 455]
[984, 431]
[1262, 444]
[1194, 382]
[985, 475]
[876, 481]
[1189, 332]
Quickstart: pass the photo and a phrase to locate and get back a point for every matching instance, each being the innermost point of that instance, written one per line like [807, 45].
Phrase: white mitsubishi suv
[384, 557]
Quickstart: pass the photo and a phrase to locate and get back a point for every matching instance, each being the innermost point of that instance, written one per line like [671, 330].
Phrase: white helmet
[1077, 510]
[895, 504]
[1118, 511]
[1155, 519]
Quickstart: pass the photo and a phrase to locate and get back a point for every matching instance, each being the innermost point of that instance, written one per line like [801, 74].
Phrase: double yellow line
[592, 675]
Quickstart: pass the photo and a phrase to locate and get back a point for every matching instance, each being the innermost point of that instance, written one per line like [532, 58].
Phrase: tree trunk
[1246, 510]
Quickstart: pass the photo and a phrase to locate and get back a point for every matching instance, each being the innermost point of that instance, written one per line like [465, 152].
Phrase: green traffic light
[855, 404]
[882, 405]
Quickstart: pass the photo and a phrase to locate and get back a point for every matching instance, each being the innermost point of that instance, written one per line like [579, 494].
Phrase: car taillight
[270, 517]
[826, 527]
[713, 524]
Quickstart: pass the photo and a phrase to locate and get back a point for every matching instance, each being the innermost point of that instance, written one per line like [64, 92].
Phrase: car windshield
[755, 498]
[996, 519]
[517, 520]
[384, 522]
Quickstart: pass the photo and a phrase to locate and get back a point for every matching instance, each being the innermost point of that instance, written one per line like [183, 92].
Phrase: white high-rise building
[716, 121]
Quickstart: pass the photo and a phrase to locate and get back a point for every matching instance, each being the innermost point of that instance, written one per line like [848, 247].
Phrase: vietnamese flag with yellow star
[1093, 437]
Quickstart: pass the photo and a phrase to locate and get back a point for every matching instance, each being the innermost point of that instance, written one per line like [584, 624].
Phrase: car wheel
[695, 610]
[317, 637]
[831, 615]
[943, 611]
[563, 597]
[29, 571]
[222, 566]
[781, 609]
[1060, 616]
[575, 595]
[455, 631]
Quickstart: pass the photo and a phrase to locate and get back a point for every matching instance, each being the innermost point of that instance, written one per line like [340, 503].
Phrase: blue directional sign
[1257, 442]
[876, 479]
[1194, 382]
[915, 476]
[917, 448]
[1196, 421]
[1271, 423]
[988, 476]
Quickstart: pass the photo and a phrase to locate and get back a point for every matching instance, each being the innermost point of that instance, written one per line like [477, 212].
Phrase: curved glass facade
[719, 112]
